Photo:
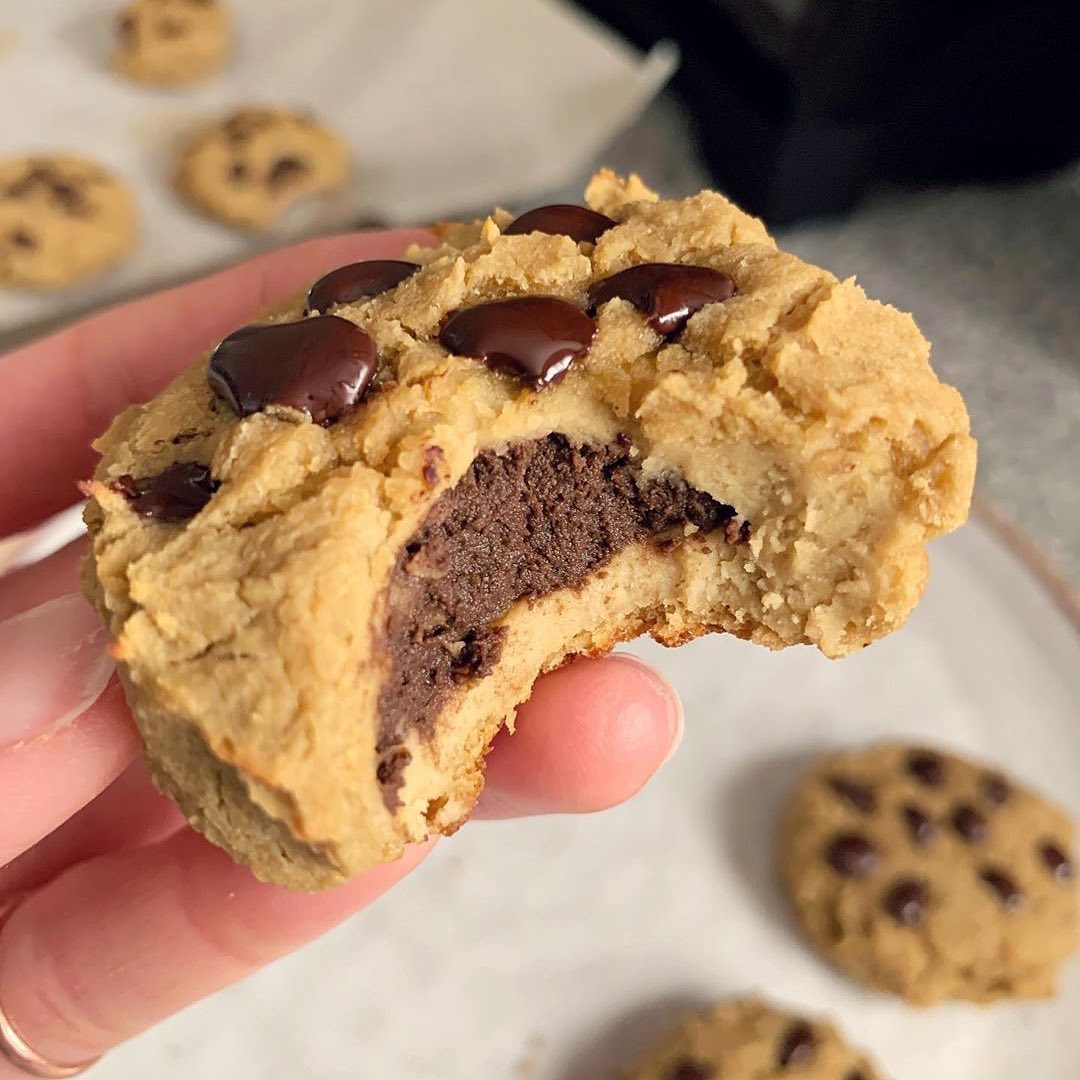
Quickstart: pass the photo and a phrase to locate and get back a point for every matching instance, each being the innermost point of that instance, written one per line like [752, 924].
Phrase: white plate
[554, 948]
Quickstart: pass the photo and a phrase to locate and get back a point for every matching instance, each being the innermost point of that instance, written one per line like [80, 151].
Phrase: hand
[122, 914]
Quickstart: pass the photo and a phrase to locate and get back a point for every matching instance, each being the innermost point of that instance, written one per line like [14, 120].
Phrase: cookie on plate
[336, 554]
[753, 1040]
[925, 875]
[253, 166]
[172, 42]
[62, 219]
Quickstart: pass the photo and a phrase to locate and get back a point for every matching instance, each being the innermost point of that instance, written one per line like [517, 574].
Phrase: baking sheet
[449, 105]
[552, 949]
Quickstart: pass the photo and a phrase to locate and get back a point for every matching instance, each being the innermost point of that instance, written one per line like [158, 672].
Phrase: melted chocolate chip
[390, 773]
[852, 855]
[358, 281]
[1008, 892]
[969, 824]
[534, 338]
[688, 1069]
[854, 794]
[1056, 861]
[321, 366]
[667, 294]
[126, 26]
[797, 1047]
[562, 219]
[171, 28]
[238, 171]
[285, 170]
[19, 237]
[175, 494]
[906, 901]
[856, 1074]
[920, 828]
[995, 788]
[926, 767]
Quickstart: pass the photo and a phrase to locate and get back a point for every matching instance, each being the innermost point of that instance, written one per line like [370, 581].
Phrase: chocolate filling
[538, 517]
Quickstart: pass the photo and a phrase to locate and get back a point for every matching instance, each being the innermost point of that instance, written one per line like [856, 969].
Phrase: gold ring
[15, 1049]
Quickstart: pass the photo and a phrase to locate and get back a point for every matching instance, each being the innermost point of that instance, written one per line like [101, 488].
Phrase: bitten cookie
[925, 875]
[336, 554]
[172, 42]
[252, 167]
[62, 218]
[752, 1040]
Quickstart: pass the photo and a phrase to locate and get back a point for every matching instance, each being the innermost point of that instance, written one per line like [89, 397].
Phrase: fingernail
[54, 665]
[676, 717]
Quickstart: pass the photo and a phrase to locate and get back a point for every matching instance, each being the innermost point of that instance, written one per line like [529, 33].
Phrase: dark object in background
[798, 114]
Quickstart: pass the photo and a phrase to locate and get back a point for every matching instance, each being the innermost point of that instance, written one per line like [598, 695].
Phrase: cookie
[336, 554]
[252, 167]
[925, 875]
[172, 42]
[752, 1040]
[62, 219]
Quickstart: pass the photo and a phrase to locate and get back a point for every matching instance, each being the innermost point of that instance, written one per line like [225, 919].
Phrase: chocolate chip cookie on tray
[336, 553]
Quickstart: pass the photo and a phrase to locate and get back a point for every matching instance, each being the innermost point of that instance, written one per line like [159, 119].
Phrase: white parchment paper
[450, 106]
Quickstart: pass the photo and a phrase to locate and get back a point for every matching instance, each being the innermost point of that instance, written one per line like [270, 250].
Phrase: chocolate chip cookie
[172, 42]
[337, 551]
[62, 218]
[254, 166]
[752, 1040]
[925, 875]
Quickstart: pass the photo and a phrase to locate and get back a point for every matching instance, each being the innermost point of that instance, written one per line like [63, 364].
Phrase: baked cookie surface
[172, 42]
[752, 1040]
[922, 874]
[252, 167]
[336, 554]
[63, 218]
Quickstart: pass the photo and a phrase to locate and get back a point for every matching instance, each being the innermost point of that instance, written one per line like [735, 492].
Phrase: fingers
[590, 736]
[118, 943]
[65, 732]
[62, 391]
[129, 812]
[53, 576]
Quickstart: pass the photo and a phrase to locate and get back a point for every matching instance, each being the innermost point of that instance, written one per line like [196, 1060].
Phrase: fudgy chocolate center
[537, 517]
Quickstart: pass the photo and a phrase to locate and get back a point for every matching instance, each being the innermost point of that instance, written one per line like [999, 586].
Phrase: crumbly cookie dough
[336, 554]
[251, 168]
[752, 1040]
[172, 42]
[63, 218]
[925, 875]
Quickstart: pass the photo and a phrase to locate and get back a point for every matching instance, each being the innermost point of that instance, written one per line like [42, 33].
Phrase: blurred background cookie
[62, 218]
[172, 42]
[752, 1040]
[252, 167]
[928, 876]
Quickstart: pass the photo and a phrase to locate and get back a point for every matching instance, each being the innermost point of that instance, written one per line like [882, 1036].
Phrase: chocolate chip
[358, 281]
[906, 901]
[534, 338]
[920, 828]
[433, 460]
[126, 25]
[969, 824]
[1008, 892]
[667, 294]
[797, 1047]
[926, 767]
[285, 170]
[19, 237]
[562, 219]
[171, 28]
[852, 855]
[390, 773]
[238, 171]
[856, 1074]
[175, 494]
[995, 788]
[688, 1069]
[321, 366]
[1056, 861]
[854, 794]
